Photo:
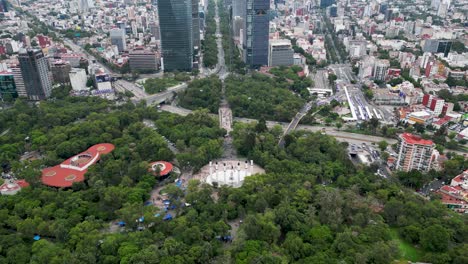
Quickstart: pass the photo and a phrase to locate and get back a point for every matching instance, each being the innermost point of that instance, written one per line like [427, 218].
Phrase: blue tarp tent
[167, 217]
[141, 219]
[121, 223]
[37, 237]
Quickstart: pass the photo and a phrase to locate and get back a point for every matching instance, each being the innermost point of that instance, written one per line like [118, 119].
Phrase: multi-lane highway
[331, 131]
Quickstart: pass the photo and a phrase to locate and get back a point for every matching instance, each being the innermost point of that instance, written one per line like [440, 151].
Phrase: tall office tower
[196, 25]
[36, 73]
[19, 82]
[414, 153]
[381, 69]
[117, 36]
[175, 22]
[256, 33]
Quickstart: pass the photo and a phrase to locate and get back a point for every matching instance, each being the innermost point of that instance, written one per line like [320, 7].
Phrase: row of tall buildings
[179, 25]
[32, 75]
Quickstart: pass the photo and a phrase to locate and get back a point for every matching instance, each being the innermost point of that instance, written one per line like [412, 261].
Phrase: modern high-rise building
[36, 73]
[381, 69]
[280, 53]
[437, 46]
[414, 153]
[117, 37]
[7, 86]
[19, 83]
[175, 22]
[256, 33]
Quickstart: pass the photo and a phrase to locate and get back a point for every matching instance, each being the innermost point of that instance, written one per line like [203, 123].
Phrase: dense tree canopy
[261, 96]
[209, 47]
[312, 205]
[202, 93]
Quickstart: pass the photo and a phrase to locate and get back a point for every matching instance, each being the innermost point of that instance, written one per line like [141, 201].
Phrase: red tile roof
[73, 169]
[413, 139]
[164, 166]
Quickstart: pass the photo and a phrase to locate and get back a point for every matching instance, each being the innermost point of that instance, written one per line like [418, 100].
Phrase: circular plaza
[230, 172]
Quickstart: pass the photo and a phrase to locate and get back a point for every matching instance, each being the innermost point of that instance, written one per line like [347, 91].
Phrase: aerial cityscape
[233, 131]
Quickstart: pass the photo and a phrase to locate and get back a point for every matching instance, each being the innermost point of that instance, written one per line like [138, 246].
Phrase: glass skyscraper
[256, 33]
[175, 21]
[7, 86]
[36, 73]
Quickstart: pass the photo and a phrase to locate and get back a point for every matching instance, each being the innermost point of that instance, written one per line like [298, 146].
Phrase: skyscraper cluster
[180, 26]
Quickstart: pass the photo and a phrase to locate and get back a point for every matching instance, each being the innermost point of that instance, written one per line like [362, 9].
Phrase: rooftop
[163, 166]
[73, 169]
[413, 139]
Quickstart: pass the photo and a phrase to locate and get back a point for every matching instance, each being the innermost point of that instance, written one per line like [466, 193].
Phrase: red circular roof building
[163, 167]
[12, 186]
[73, 169]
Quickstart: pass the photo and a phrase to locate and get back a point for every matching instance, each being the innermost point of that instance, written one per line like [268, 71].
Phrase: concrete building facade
[78, 79]
[143, 60]
[36, 74]
[280, 53]
[414, 153]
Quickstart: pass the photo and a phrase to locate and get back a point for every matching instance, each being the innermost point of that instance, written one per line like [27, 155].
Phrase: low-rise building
[419, 117]
[455, 195]
[385, 97]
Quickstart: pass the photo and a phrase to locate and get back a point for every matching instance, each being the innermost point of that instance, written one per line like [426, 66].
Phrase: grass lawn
[407, 250]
